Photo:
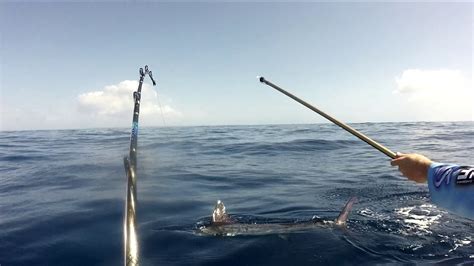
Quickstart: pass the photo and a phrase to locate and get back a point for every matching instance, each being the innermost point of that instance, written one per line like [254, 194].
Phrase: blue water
[62, 195]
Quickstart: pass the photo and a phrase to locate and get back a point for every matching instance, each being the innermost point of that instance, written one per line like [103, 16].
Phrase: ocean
[62, 195]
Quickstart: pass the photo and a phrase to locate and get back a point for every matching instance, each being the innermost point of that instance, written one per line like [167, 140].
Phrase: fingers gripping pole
[349, 129]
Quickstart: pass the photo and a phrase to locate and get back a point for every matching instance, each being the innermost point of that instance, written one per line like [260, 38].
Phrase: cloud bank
[436, 95]
[116, 102]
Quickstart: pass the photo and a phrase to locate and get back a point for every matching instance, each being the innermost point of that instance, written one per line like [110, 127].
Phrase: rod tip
[261, 79]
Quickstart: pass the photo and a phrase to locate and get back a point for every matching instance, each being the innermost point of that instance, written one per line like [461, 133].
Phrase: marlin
[223, 225]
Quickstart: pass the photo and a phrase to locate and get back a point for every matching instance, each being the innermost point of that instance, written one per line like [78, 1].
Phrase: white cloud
[436, 95]
[431, 81]
[116, 102]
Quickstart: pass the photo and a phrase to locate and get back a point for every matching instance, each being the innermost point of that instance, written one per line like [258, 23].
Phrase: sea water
[62, 195]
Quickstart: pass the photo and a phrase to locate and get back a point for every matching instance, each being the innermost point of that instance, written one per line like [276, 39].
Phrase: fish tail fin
[219, 215]
[342, 218]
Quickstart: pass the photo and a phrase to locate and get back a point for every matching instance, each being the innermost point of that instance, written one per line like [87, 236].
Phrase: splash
[418, 219]
[460, 243]
[372, 214]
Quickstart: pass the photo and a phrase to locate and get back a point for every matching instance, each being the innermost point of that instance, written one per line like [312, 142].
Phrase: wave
[272, 148]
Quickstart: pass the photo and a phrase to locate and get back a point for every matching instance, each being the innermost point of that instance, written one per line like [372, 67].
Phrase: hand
[414, 166]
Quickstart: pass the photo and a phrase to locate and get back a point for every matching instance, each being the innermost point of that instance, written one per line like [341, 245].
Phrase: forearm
[452, 187]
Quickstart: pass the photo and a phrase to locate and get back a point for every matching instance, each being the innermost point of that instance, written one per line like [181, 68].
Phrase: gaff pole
[131, 249]
[351, 130]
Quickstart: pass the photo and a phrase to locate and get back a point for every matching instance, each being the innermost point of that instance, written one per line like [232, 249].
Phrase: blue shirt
[452, 187]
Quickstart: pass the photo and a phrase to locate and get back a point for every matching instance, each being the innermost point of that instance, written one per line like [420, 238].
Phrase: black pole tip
[261, 79]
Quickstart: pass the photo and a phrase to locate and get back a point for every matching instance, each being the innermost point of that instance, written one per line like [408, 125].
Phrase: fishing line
[349, 129]
[161, 109]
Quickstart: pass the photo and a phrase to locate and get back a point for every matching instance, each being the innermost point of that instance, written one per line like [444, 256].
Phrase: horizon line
[236, 125]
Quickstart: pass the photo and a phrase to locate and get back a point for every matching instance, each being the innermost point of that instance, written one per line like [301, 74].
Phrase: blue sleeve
[452, 187]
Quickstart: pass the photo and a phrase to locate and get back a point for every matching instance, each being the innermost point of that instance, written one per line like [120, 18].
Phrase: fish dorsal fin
[219, 216]
[342, 218]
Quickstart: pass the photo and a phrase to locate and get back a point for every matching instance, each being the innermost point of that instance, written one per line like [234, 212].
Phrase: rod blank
[131, 248]
[351, 130]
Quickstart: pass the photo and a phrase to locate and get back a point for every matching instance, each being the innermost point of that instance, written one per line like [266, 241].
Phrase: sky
[75, 65]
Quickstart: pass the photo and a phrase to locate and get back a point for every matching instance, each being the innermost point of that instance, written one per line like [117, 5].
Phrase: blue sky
[73, 65]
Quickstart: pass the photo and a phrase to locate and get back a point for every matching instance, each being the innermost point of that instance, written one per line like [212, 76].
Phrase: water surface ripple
[62, 195]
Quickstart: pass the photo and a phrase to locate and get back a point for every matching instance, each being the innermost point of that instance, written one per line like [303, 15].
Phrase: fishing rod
[351, 130]
[131, 252]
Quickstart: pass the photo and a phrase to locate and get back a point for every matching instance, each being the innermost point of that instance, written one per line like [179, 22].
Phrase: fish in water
[223, 225]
